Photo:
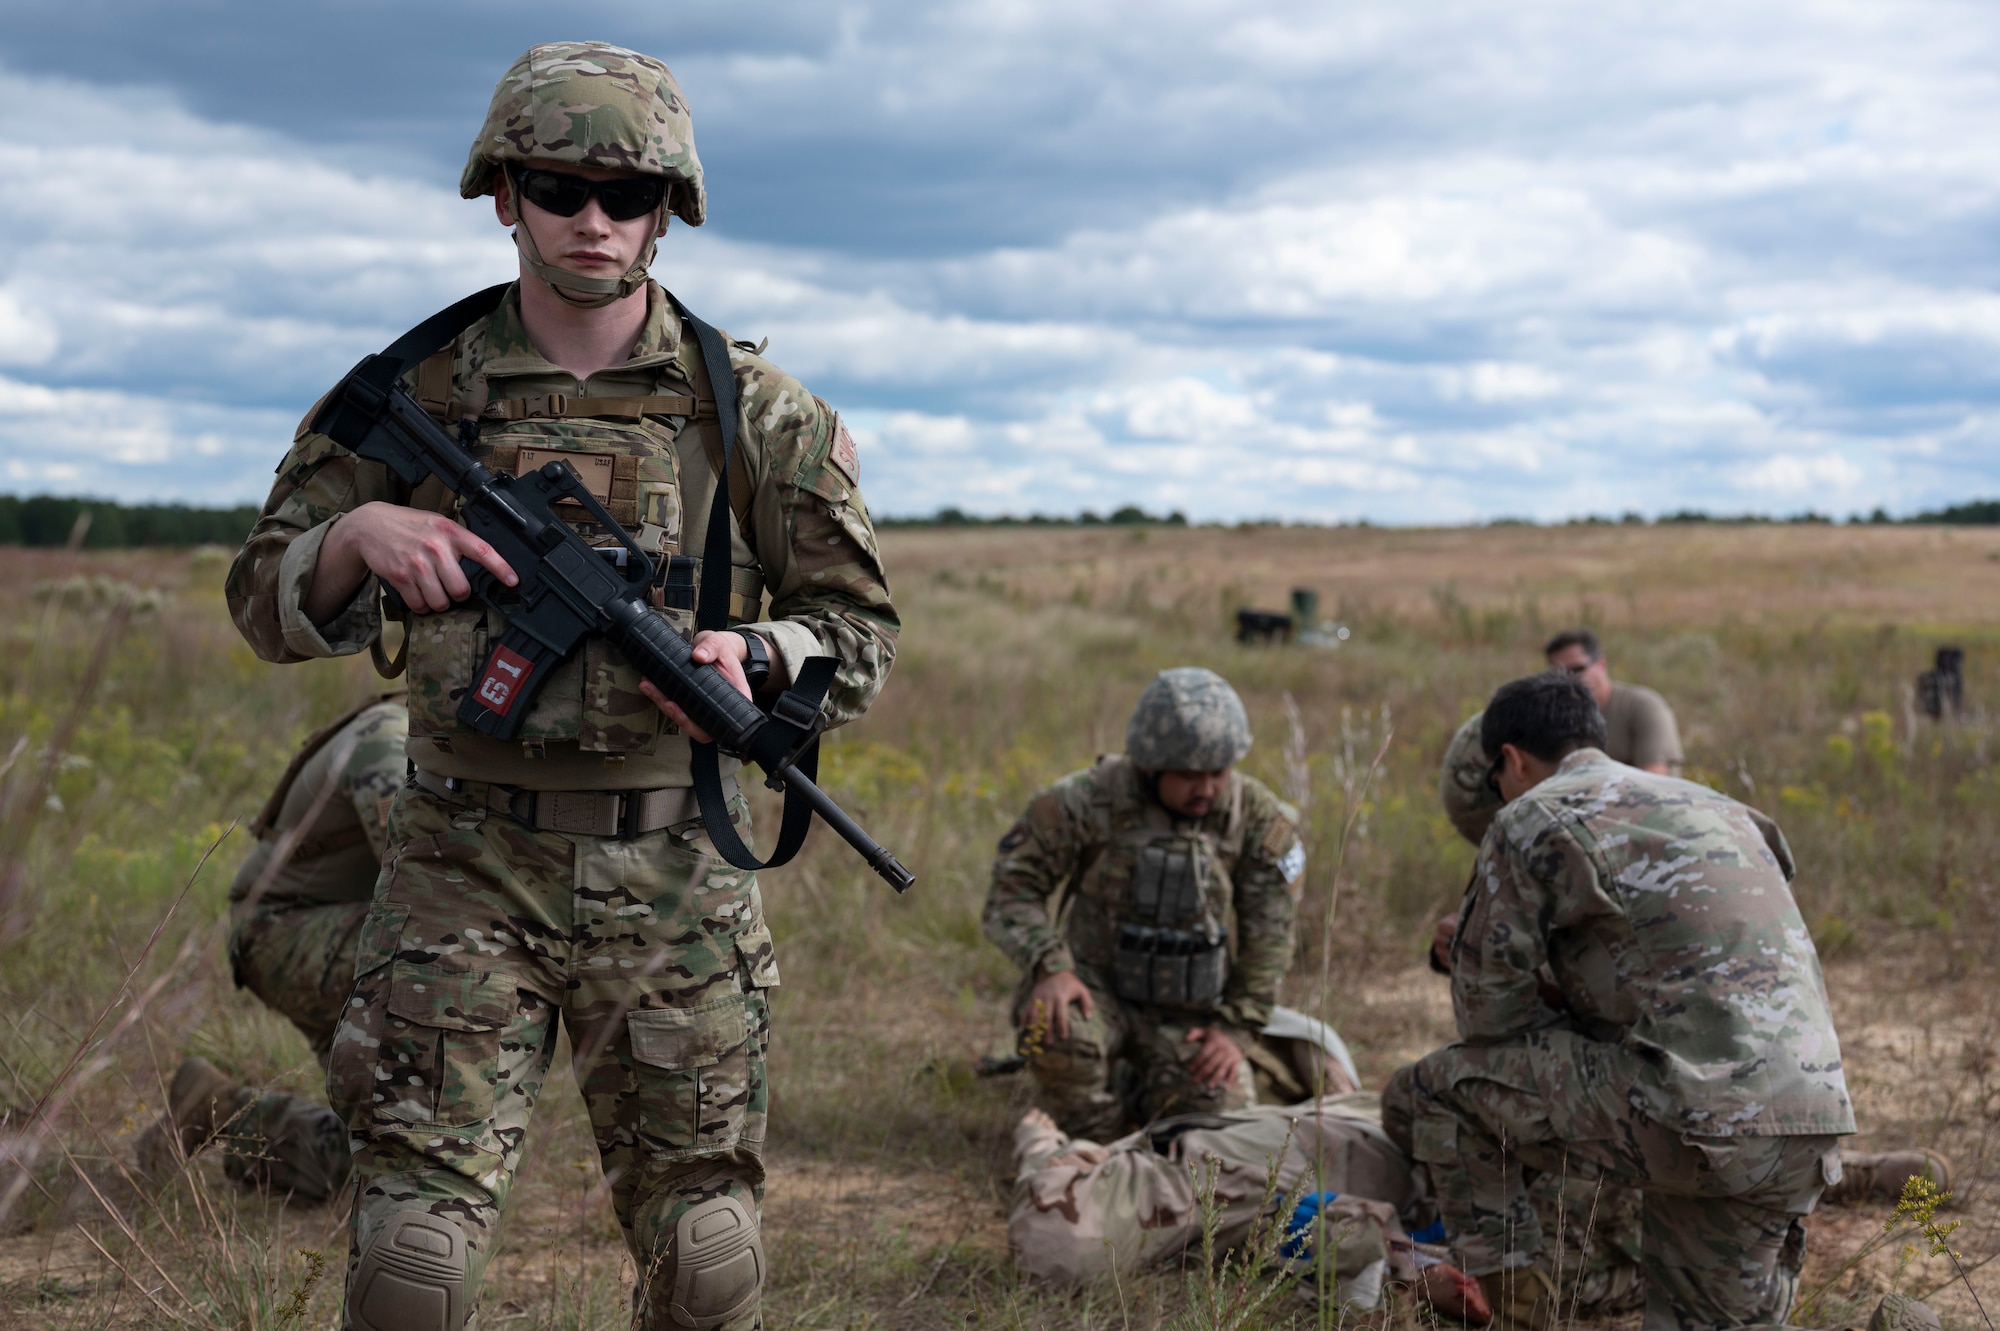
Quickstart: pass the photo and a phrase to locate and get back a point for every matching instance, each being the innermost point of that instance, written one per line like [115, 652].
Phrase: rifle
[569, 589]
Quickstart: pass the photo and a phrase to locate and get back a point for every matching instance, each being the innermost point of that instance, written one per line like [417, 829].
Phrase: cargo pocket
[441, 1044]
[693, 1068]
[381, 933]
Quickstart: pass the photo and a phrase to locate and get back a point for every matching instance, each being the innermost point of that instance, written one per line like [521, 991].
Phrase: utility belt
[624, 814]
[1169, 967]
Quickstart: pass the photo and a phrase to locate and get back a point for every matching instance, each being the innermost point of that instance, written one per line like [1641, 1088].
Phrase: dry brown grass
[1788, 651]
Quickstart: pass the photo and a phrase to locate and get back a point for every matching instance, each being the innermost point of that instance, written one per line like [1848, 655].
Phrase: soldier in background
[1585, 1036]
[566, 880]
[293, 932]
[1113, 894]
[1639, 727]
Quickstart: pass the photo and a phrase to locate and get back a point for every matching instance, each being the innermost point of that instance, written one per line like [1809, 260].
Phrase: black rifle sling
[436, 332]
[808, 692]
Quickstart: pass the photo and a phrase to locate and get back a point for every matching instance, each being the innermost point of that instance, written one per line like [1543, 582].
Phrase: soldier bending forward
[1685, 1048]
[567, 874]
[1113, 894]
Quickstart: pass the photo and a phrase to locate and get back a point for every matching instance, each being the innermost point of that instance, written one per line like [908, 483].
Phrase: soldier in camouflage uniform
[1593, 1224]
[1116, 894]
[1680, 1041]
[568, 872]
[294, 926]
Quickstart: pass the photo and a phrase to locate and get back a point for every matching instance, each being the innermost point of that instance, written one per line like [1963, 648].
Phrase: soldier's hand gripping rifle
[568, 589]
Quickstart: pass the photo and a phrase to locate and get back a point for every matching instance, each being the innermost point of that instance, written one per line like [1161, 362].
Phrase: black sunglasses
[565, 195]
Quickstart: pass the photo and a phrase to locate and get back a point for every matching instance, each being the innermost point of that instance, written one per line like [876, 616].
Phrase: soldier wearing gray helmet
[1114, 893]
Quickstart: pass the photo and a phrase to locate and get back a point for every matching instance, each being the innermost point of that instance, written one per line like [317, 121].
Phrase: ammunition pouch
[1169, 967]
[1164, 889]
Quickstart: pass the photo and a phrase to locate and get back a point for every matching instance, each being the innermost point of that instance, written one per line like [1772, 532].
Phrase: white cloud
[1408, 262]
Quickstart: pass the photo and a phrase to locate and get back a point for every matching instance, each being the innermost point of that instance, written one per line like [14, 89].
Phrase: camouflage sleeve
[814, 539]
[1269, 877]
[1497, 957]
[376, 768]
[1036, 859]
[318, 482]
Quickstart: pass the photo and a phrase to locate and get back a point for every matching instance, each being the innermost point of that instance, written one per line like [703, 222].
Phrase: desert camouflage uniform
[1061, 886]
[654, 951]
[292, 939]
[1083, 1210]
[1694, 1058]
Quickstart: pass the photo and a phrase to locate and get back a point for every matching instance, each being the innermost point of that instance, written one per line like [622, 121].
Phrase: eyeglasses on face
[566, 195]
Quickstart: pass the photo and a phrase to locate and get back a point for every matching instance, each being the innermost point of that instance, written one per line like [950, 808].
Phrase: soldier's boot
[200, 1103]
[1523, 1299]
[411, 1277]
[1900, 1312]
[713, 1275]
[1880, 1177]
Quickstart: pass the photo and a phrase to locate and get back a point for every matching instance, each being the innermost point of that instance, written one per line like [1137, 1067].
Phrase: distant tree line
[49, 520]
[1978, 512]
[1129, 516]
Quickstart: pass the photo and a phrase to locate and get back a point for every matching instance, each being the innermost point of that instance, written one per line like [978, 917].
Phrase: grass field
[1788, 652]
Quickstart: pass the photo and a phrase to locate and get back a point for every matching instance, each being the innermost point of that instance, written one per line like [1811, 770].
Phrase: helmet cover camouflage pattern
[1188, 720]
[590, 104]
[1468, 801]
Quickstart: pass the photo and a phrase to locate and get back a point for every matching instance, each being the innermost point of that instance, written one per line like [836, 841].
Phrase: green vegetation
[1022, 657]
[48, 520]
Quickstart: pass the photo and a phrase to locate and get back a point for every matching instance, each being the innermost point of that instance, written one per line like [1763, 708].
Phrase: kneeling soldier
[1680, 1041]
[1138, 1002]
[292, 937]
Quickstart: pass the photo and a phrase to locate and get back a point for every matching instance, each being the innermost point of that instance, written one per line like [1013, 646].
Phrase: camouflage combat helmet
[1468, 801]
[589, 104]
[1188, 720]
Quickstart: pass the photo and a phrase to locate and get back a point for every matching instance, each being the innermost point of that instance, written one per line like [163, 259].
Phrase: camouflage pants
[1593, 1223]
[299, 961]
[653, 953]
[1126, 1063]
[1722, 1242]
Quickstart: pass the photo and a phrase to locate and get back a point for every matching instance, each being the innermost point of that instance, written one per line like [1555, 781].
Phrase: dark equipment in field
[570, 589]
[1263, 626]
[1302, 625]
[1941, 690]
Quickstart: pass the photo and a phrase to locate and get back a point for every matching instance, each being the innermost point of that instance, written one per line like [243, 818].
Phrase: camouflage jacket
[808, 540]
[1664, 911]
[1061, 880]
[339, 856]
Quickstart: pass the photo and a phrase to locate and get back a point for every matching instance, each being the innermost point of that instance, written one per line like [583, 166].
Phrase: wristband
[757, 667]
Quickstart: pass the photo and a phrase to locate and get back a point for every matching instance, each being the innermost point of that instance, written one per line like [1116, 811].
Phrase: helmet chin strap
[597, 291]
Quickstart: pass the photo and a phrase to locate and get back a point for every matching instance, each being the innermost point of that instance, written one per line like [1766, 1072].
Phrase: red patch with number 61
[506, 674]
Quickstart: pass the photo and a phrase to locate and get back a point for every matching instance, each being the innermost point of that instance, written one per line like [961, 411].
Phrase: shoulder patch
[1293, 862]
[1280, 834]
[844, 456]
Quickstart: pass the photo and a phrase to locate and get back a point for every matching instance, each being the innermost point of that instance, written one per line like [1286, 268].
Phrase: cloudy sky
[1410, 262]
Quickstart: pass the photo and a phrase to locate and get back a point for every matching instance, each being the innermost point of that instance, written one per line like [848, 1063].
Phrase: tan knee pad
[717, 1264]
[411, 1277]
